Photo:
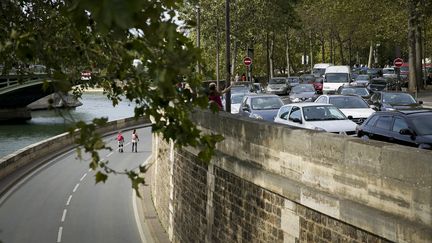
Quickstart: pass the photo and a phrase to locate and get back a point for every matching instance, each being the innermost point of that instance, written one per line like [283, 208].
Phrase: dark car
[406, 127]
[374, 72]
[354, 90]
[264, 106]
[293, 81]
[307, 78]
[377, 84]
[387, 101]
[362, 80]
[302, 93]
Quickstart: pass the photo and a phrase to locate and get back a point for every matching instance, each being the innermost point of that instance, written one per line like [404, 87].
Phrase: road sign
[398, 62]
[247, 61]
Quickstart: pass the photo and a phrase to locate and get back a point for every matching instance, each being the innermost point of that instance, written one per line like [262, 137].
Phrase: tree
[69, 36]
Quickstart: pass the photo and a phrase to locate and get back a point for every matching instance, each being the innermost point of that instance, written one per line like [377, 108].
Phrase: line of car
[355, 110]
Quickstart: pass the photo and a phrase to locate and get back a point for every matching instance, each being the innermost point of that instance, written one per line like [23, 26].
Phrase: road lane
[61, 203]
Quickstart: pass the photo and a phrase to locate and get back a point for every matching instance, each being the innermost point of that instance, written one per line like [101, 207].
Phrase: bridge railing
[12, 80]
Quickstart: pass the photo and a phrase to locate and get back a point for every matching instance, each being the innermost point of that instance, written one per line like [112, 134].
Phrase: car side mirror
[420, 102]
[350, 117]
[296, 120]
[406, 131]
[246, 108]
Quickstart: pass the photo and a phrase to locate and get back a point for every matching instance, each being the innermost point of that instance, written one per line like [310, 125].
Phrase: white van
[334, 77]
[319, 69]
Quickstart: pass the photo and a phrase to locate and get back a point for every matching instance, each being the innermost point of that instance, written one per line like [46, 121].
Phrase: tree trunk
[268, 56]
[342, 58]
[322, 47]
[234, 57]
[370, 55]
[288, 68]
[311, 51]
[271, 56]
[349, 51]
[217, 53]
[331, 48]
[228, 55]
[412, 85]
[419, 56]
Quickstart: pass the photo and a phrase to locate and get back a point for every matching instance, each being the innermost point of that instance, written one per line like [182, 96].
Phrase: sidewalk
[425, 96]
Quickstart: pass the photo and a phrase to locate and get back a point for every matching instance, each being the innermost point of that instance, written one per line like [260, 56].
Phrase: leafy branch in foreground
[107, 38]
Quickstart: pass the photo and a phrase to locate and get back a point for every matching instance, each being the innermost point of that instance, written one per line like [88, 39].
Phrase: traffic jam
[369, 103]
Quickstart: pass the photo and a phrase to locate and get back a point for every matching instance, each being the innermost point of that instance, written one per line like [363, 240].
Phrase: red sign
[247, 61]
[398, 62]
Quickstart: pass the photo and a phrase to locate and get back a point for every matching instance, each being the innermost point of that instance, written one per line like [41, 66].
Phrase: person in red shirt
[120, 141]
[215, 95]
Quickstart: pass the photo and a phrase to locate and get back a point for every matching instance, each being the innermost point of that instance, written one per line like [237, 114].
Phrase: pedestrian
[237, 78]
[215, 95]
[120, 141]
[135, 140]
[243, 77]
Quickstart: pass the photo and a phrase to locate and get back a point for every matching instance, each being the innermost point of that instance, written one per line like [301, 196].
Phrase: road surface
[60, 202]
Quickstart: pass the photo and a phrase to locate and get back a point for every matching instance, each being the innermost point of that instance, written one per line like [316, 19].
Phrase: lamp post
[228, 56]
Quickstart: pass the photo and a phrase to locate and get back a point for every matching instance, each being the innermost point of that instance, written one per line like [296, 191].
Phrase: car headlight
[256, 116]
[295, 100]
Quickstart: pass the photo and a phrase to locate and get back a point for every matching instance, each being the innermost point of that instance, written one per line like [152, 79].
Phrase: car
[307, 78]
[406, 127]
[354, 90]
[389, 73]
[336, 76]
[293, 81]
[315, 116]
[374, 72]
[302, 93]
[353, 106]
[387, 101]
[86, 75]
[236, 100]
[278, 85]
[361, 80]
[260, 106]
[240, 88]
[318, 85]
[377, 84]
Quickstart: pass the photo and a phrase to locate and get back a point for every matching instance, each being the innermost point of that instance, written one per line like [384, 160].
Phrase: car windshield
[422, 127]
[318, 72]
[404, 69]
[322, 113]
[266, 103]
[378, 82]
[293, 80]
[362, 78]
[239, 89]
[236, 99]
[356, 91]
[372, 71]
[388, 71]
[307, 77]
[277, 81]
[301, 88]
[398, 98]
[348, 102]
[336, 78]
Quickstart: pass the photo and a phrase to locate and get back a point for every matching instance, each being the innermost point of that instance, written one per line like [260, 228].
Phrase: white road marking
[68, 201]
[82, 178]
[89, 170]
[108, 155]
[59, 234]
[64, 215]
[76, 187]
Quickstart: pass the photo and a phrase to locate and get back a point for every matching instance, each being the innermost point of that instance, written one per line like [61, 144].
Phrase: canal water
[47, 123]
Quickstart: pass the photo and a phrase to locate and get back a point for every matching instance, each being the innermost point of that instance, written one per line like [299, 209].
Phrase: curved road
[60, 202]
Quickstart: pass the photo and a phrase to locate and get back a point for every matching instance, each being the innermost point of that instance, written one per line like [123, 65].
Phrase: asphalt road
[60, 202]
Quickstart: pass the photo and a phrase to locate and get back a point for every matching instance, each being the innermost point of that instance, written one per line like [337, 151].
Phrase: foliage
[106, 37]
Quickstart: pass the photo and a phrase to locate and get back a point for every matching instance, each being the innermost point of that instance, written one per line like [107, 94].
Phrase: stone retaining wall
[270, 183]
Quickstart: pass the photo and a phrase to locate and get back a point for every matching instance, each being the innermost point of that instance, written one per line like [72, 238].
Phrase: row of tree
[346, 32]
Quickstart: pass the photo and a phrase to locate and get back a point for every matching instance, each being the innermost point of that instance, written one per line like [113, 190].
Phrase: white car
[315, 116]
[389, 73]
[352, 106]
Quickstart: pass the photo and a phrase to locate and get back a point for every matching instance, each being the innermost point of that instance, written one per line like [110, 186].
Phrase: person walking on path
[135, 140]
[120, 141]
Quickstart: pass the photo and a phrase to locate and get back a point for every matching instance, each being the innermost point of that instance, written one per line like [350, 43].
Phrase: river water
[47, 123]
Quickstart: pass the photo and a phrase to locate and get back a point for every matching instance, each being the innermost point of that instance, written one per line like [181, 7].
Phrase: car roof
[409, 112]
[307, 104]
[261, 95]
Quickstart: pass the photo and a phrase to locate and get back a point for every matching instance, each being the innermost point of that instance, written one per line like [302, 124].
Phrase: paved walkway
[425, 96]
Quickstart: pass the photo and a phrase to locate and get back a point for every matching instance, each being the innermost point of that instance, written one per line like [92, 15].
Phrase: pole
[228, 56]
[198, 35]
[217, 53]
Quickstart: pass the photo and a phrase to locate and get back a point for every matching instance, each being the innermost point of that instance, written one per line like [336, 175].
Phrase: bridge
[18, 91]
